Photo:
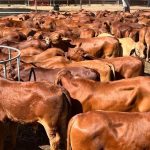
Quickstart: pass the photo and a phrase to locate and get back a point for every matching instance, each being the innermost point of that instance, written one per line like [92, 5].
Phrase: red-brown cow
[131, 94]
[99, 130]
[126, 67]
[100, 47]
[41, 102]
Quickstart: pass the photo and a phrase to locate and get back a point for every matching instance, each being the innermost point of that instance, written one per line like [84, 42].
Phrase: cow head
[140, 49]
[78, 54]
[62, 74]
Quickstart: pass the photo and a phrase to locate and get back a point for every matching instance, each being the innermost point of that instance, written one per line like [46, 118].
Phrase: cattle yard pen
[11, 10]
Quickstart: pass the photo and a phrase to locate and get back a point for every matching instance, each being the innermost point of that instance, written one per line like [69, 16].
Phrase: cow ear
[132, 52]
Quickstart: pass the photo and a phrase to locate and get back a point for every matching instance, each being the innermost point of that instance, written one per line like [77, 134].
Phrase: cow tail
[71, 122]
[112, 69]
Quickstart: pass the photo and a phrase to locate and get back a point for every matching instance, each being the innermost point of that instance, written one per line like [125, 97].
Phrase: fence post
[80, 4]
[35, 4]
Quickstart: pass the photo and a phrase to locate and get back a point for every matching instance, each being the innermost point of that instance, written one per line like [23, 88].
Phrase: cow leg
[1, 143]
[53, 135]
[13, 134]
[148, 49]
[63, 133]
[2, 136]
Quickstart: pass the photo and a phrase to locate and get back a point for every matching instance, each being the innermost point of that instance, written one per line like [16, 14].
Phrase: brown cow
[28, 102]
[104, 69]
[99, 130]
[33, 43]
[44, 56]
[87, 33]
[131, 94]
[100, 47]
[144, 35]
[126, 67]
[76, 54]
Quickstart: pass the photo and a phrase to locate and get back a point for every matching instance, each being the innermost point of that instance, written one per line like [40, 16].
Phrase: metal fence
[10, 59]
[49, 2]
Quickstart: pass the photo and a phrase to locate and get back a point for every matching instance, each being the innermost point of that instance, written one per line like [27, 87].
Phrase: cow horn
[65, 38]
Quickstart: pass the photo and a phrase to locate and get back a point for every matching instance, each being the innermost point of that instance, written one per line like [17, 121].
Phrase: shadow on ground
[30, 139]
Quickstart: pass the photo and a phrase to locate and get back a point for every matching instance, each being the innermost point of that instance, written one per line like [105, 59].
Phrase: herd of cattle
[84, 62]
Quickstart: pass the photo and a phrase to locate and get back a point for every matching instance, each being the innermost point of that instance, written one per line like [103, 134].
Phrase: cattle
[130, 47]
[126, 67]
[30, 73]
[87, 33]
[105, 70]
[30, 51]
[97, 130]
[45, 55]
[53, 62]
[42, 102]
[78, 54]
[100, 47]
[130, 94]
[144, 35]
[34, 43]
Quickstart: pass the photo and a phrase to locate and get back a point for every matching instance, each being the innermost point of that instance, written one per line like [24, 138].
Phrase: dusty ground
[92, 7]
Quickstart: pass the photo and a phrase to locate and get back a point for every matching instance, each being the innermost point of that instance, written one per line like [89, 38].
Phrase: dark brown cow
[131, 94]
[99, 130]
[29, 73]
[41, 102]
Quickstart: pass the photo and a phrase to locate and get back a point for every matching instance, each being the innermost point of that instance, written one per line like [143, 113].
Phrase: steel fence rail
[10, 58]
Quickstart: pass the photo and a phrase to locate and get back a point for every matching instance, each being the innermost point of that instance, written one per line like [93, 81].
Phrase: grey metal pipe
[125, 3]
[10, 58]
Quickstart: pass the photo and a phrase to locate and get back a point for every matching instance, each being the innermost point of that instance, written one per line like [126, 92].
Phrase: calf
[100, 130]
[131, 94]
[40, 102]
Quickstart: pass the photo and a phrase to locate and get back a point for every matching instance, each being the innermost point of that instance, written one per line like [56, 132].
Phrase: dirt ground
[92, 7]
